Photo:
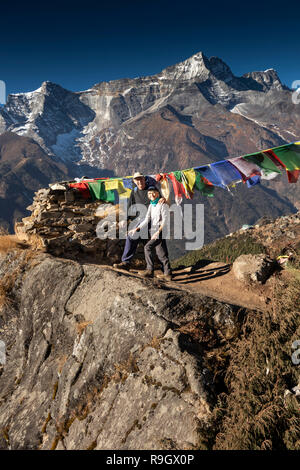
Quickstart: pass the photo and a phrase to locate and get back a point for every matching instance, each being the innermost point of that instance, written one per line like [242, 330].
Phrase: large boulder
[253, 268]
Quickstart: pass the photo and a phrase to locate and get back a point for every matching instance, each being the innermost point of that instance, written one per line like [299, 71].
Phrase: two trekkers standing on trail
[147, 194]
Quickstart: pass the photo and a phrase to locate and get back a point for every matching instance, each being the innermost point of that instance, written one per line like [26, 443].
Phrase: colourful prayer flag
[178, 188]
[122, 191]
[293, 176]
[253, 181]
[190, 176]
[111, 184]
[98, 191]
[83, 188]
[269, 169]
[289, 156]
[182, 181]
[204, 186]
[165, 189]
[210, 175]
[246, 168]
[128, 183]
[177, 175]
[188, 181]
[226, 172]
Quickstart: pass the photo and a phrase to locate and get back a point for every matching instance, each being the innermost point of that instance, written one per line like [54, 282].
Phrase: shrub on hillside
[225, 250]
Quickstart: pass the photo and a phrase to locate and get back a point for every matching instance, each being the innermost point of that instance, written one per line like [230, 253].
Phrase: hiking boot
[159, 275]
[122, 265]
[147, 273]
[164, 277]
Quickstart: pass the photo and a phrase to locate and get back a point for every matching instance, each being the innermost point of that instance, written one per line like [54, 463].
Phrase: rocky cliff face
[100, 360]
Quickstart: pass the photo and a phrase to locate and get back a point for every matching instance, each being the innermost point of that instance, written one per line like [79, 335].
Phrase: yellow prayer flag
[190, 176]
[122, 191]
[111, 184]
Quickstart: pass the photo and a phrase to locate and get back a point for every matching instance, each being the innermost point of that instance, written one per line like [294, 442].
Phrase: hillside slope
[24, 168]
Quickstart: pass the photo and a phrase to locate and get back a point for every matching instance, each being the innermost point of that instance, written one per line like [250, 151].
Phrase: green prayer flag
[263, 161]
[178, 176]
[204, 188]
[98, 191]
[289, 155]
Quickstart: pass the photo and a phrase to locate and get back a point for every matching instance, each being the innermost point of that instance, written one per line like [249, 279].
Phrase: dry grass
[11, 242]
[81, 326]
[24, 257]
[225, 250]
[6, 285]
[253, 412]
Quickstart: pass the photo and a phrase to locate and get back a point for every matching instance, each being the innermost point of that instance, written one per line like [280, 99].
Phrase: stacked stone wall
[63, 223]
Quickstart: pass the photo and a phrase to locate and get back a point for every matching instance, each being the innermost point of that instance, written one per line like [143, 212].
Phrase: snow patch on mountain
[28, 94]
[66, 147]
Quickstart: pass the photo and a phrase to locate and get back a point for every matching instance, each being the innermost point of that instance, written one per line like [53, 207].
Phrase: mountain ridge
[191, 113]
[79, 126]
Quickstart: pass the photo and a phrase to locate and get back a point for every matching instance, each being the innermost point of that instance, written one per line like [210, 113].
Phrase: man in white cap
[139, 195]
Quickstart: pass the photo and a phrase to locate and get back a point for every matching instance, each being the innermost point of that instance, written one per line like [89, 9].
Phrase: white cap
[137, 175]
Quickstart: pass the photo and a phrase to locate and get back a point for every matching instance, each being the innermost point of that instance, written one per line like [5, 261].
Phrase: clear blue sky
[78, 46]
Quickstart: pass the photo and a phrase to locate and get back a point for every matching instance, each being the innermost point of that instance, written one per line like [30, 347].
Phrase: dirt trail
[217, 280]
[214, 280]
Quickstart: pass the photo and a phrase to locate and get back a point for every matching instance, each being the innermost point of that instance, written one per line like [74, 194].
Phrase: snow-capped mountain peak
[193, 67]
[88, 126]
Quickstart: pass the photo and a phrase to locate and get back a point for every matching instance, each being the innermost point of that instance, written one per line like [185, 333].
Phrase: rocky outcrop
[97, 359]
[276, 235]
[253, 268]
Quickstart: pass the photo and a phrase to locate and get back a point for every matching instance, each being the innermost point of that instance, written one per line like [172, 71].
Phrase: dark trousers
[161, 249]
[130, 248]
